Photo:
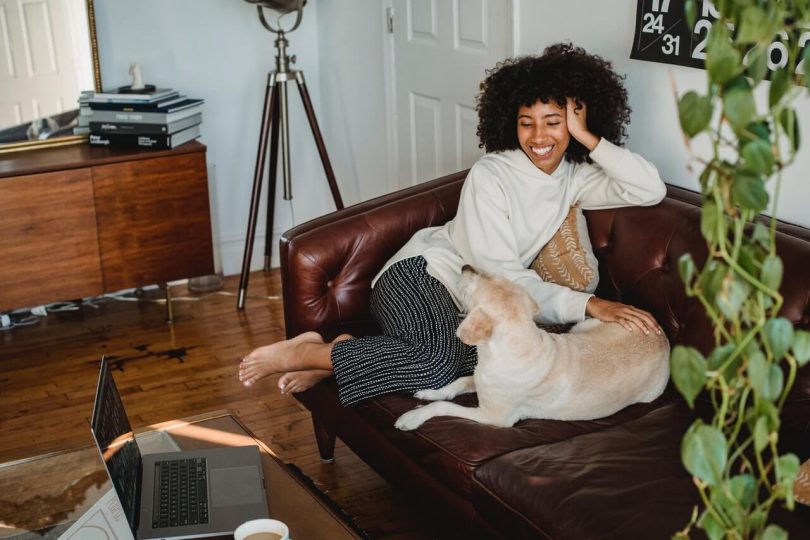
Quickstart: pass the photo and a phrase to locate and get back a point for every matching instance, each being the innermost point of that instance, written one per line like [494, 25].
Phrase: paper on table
[104, 521]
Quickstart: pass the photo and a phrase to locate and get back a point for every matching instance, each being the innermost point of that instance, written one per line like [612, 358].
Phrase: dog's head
[492, 302]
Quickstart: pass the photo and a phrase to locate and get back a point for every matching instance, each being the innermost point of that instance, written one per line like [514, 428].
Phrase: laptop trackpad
[235, 485]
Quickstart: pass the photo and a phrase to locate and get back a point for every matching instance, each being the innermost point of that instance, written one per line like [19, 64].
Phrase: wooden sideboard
[78, 221]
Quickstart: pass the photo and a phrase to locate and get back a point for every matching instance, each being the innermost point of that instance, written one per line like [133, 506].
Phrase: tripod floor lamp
[275, 124]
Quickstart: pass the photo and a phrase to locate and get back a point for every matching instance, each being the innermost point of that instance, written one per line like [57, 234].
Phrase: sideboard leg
[168, 293]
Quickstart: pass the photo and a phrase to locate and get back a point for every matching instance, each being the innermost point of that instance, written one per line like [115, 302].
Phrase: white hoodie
[509, 209]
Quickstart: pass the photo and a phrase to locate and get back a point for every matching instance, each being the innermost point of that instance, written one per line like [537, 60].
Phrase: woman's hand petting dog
[627, 316]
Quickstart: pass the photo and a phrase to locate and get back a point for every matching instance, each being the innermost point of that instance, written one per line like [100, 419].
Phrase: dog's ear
[475, 328]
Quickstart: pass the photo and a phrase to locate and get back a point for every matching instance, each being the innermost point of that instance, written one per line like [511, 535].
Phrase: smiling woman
[48, 55]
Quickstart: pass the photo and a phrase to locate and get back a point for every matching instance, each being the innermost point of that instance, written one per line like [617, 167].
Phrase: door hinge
[389, 14]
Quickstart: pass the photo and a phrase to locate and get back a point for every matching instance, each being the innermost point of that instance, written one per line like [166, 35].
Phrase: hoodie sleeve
[618, 178]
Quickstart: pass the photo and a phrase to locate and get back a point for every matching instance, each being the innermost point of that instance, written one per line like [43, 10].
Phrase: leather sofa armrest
[327, 264]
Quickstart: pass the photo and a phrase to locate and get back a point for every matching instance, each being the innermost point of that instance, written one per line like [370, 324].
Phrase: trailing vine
[735, 459]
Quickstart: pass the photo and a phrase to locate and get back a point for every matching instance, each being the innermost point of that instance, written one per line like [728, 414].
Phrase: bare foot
[298, 381]
[276, 358]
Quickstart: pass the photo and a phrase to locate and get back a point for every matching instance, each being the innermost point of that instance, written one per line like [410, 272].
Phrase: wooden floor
[48, 374]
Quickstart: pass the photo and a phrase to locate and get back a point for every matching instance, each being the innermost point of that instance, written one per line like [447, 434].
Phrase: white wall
[218, 50]
[351, 42]
[606, 28]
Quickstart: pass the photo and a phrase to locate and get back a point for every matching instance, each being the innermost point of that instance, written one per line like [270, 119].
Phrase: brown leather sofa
[618, 477]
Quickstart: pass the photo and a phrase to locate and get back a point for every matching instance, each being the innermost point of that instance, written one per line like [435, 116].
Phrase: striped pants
[418, 349]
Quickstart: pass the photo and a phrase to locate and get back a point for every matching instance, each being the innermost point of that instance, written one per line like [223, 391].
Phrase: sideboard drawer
[79, 221]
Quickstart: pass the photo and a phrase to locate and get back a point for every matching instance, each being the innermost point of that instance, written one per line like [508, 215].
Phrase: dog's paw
[410, 420]
[430, 395]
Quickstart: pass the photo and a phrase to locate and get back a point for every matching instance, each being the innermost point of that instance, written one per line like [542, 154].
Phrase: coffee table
[44, 494]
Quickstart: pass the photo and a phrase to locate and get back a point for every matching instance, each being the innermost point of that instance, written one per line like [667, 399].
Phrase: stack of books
[153, 118]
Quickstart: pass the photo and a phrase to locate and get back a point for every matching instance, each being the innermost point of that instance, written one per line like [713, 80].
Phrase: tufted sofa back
[327, 264]
[638, 251]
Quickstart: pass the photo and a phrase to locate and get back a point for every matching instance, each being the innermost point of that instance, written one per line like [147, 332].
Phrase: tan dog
[593, 371]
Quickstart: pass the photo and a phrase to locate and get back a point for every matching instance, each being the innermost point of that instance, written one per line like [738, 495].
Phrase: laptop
[176, 494]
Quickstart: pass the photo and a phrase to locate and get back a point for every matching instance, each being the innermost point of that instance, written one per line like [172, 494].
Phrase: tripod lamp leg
[271, 181]
[285, 142]
[316, 133]
[269, 97]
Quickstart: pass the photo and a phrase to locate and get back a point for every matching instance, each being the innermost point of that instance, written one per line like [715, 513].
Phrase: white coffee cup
[262, 529]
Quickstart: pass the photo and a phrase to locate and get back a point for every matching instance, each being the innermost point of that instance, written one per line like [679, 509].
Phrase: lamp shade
[281, 6]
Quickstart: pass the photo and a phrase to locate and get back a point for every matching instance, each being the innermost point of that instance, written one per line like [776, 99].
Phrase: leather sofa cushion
[450, 449]
[624, 482]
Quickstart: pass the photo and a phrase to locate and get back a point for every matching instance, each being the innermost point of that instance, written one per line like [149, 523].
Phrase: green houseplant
[734, 458]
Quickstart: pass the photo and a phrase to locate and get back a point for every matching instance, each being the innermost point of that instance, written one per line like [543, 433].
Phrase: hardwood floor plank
[48, 375]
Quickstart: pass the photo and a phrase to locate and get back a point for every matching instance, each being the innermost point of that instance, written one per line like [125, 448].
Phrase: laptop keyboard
[181, 493]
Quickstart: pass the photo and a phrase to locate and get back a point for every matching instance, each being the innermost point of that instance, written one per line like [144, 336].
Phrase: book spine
[131, 98]
[139, 117]
[143, 117]
[128, 128]
[168, 105]
[128, 107]
[146, 128]
[131, 141]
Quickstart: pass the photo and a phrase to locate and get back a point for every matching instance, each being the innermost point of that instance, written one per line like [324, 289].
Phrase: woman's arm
[619, 178]
[605, 189]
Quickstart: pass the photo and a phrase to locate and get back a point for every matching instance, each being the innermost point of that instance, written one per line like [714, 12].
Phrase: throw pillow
[567, 259]
[801, 487]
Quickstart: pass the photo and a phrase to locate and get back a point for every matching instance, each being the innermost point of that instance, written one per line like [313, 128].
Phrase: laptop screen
[117, 445]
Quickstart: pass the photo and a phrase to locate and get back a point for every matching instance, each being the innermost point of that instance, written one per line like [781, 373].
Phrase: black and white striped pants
[418, 349]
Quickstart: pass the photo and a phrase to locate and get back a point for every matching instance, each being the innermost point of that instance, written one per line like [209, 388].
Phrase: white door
[441, 49]
[39, 60]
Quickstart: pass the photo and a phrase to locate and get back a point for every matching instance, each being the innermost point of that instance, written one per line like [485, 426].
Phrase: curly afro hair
[562, 71]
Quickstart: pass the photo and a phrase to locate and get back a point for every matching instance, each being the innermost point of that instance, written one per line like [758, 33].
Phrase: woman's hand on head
[630, 317]
[576, 116]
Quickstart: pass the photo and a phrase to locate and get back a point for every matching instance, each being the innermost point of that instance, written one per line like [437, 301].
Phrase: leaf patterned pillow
[567, 259]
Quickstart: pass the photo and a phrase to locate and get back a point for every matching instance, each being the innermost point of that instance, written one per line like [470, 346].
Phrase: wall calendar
[663, 35]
